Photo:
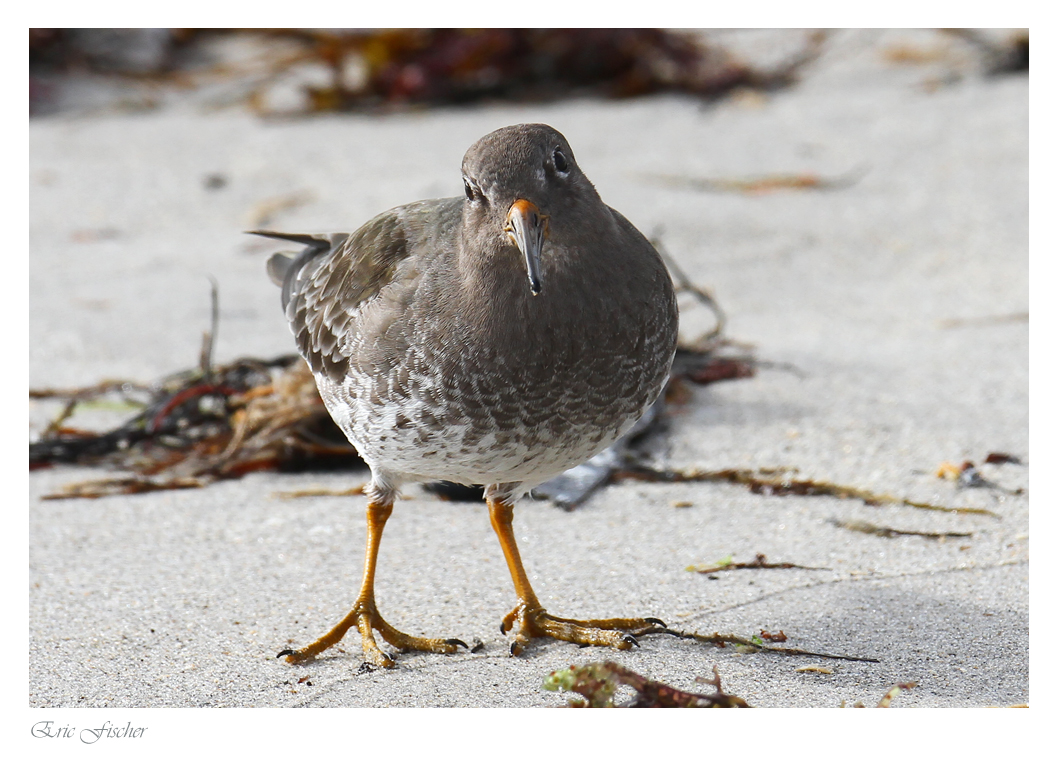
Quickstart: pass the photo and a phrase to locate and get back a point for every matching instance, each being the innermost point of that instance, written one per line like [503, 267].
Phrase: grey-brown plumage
[495, 339]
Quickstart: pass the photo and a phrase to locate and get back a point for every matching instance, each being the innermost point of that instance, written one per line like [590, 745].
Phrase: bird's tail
[283, 267]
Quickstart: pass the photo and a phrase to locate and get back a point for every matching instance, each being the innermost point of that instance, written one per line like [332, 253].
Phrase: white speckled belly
[410, 438]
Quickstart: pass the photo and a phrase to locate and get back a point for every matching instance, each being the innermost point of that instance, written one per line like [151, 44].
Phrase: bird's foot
[365, 616]
[534, 621]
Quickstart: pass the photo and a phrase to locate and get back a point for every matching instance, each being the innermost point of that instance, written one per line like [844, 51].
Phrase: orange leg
[364, 613]
[531, 620]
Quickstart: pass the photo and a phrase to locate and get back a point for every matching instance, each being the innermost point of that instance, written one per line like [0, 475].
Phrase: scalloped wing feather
[325, 285]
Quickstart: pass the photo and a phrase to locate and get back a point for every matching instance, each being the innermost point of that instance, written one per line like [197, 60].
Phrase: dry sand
[900, 300]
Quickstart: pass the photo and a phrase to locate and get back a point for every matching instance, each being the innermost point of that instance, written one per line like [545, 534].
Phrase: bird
[497, 338]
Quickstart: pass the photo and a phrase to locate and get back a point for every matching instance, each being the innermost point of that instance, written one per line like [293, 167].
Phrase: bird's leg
[364, 614]
[531, 620]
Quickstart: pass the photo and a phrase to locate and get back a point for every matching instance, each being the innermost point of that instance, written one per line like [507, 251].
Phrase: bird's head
[522, 189]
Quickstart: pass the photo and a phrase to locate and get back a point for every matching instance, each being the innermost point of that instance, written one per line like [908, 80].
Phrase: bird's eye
[560, 161]
[470, 191]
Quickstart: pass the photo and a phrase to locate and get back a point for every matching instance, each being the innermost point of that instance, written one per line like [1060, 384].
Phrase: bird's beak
[527, 228]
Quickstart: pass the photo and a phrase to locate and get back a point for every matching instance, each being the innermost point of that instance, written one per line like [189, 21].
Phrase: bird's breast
[497, 385]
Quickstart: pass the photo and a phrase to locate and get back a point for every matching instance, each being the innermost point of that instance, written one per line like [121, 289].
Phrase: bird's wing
[323, 286]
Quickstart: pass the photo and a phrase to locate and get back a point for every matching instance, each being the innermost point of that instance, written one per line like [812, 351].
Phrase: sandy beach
[889, 312]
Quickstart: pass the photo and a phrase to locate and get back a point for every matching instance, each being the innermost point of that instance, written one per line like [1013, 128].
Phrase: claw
[629, 639]
[285, 653]
[515, 649]
[502, 628]
[656, 622]
[456, 643]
